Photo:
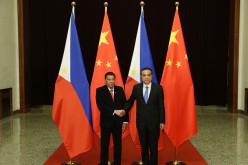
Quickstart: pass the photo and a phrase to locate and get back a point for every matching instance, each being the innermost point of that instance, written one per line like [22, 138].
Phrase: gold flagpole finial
[73, 4]
[105, 4]
[177, 4]
[142, 3]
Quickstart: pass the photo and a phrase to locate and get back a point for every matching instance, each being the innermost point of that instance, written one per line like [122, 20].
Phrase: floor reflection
[31, 138]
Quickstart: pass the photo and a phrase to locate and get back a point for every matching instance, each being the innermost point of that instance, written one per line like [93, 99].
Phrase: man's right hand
[120, 112]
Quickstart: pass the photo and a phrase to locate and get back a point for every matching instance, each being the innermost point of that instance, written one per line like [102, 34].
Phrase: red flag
[71, 105]
[106, 61]
[178, 89]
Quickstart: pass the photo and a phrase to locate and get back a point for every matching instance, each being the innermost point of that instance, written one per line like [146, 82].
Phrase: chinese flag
[178, 89]
[106, 61]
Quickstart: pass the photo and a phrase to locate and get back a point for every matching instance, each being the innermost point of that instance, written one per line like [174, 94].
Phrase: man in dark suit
[110, 100]
[150, 115]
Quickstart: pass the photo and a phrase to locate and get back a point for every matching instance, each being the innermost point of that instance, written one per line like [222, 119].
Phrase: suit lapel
[141, 92]
[115, 92]
[151, 92]
[108, 93]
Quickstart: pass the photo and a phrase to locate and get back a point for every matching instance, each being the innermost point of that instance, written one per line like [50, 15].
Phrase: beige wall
[9, 64]
[243, 54]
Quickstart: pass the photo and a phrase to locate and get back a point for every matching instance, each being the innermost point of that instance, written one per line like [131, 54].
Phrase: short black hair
[109, 73]
[146, 68]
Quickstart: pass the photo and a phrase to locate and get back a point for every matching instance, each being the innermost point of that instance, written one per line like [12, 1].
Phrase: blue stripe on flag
[78, 74]
[145, 52]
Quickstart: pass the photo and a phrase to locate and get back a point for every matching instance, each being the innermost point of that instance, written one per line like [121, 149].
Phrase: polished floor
[29, 139]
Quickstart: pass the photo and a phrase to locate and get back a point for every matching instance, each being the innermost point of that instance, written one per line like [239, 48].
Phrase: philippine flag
[71, 106]
[141, 58]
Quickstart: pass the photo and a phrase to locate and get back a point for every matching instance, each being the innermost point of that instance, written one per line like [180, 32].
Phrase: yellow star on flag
[116, 58]
[103, 38]
[64, 70]
[108, 64]
[134, 71]
[178, 64]
[98, 62]
[168, 62]
[186, 57]
[173, 37]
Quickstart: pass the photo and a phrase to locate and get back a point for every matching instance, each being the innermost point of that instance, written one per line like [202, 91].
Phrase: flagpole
[73, 4]
[106, 9]
[142, 4]
[106, 6]
[176, 162]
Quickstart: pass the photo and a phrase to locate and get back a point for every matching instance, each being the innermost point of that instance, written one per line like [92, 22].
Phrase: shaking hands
[120, 112]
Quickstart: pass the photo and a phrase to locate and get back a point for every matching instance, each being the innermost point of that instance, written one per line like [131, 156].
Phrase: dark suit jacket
[107, 106]
[151, 114]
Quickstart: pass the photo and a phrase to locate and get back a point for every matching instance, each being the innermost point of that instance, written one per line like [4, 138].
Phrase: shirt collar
[149, 85]
[112, 88]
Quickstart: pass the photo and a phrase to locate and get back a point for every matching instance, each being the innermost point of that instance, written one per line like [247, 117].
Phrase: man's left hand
[162, 126]
[124, 126]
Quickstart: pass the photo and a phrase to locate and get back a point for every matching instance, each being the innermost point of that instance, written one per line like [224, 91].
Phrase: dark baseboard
[15, 112]
[243, 112]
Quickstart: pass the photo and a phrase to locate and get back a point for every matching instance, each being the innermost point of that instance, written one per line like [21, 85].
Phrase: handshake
[120, 112]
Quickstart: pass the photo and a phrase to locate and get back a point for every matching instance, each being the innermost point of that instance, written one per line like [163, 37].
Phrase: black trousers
[116, 131]
[149, 145]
